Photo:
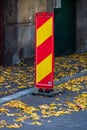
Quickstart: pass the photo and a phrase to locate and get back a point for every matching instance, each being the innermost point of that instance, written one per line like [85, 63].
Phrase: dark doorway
[1, 31]
[65, 27]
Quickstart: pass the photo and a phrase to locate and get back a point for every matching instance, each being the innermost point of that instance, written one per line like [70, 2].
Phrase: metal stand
[46, 93]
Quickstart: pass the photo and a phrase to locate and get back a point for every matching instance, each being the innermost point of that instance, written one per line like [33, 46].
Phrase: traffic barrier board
[44, 50]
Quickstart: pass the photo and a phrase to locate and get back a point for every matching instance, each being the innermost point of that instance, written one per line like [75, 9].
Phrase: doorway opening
[65, 27]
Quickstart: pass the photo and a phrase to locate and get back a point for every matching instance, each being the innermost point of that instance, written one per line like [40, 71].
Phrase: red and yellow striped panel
[44, 50]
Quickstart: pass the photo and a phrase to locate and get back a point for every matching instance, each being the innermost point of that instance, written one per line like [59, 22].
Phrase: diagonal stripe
[44, 32]
[40, 21]
[47, 80]
[44, 68]
[44, 50]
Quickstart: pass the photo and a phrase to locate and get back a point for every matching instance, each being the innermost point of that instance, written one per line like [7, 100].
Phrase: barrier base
[47, 93]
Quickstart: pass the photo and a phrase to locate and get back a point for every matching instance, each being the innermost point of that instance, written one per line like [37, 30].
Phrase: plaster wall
[19, 28]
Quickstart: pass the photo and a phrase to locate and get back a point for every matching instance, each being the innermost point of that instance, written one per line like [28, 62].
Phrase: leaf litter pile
[21, 77]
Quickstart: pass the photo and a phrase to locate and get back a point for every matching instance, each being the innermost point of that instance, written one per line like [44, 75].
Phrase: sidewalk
[20, 77]
[62, 112]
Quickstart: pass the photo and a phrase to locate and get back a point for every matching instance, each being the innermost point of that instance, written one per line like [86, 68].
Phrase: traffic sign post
[44, 55]
[44, 51]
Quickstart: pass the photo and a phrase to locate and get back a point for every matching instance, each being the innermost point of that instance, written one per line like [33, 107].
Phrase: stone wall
[19, 28]
[81, 40]
[26, 22]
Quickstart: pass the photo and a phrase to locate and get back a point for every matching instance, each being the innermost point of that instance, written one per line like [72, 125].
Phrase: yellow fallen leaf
[2, 79]
[21, 86]
[59, 104]
[84, 94]
[15, 104]
[8, 86]
[11, 114]
[34, 116]
[52, 105]
[57, 99]
[15, 125]
[52, 113]
[3, 122]
[3, 110]
[59, 113]
[68, 111]
[44, 106]
[21, 119]
[1, 126]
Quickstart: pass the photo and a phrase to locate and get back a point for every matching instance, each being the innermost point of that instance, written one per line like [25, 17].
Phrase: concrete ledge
[16, 95]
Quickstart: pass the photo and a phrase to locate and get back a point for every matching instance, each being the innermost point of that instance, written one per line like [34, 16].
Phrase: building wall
[19, 28]
[26, 25]
[10, 11]
[28, 8]
[10, 32]
[81, 30]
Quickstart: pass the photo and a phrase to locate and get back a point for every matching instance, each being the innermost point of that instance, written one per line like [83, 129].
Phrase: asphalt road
[74, 121]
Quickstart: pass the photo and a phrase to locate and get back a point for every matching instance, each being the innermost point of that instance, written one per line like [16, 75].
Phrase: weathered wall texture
[81, 26]
[28, 8]
[26, 40]
[50, 5]
[11, 8]
[11, 44]
[19, 28]
[10, 32]
[26, 22]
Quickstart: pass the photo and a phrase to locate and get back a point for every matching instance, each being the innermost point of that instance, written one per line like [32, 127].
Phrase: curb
[65, 79]
[16, 95]
[31, 90]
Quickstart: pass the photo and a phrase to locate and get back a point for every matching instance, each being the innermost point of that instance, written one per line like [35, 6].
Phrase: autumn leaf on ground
[3, 110]
[44, 106]
[22, 86]
[34, 116]
[15, 125]
[2, 123]
[10, 114]
[81, 101]
[15, 104]
[2, 79]
[21, 119]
